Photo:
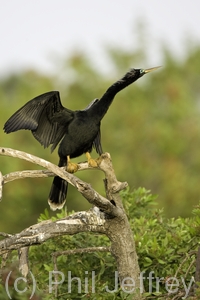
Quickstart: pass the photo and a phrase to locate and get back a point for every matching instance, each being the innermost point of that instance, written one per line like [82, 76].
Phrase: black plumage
[76, 131]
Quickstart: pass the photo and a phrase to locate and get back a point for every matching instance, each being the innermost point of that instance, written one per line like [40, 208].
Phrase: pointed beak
[151, 69]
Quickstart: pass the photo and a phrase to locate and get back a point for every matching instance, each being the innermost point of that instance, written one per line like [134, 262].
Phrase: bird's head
[145, 71]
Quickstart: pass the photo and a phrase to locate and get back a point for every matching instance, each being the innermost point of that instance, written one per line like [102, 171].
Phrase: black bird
[77, 131]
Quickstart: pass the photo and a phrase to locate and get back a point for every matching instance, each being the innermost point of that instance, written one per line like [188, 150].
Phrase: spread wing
[44, 116]
[97, 142]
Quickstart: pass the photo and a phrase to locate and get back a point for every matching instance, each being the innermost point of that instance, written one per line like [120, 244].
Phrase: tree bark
[106, 217]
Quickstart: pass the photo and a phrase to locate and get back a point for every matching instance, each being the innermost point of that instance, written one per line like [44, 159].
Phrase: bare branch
[38, 161]
[27, 174]
[105, 164]
[84, 188]
[5, 234]
[83, 221]
[23, 261]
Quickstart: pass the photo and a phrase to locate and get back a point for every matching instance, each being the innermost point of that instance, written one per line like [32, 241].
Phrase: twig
[5, 234]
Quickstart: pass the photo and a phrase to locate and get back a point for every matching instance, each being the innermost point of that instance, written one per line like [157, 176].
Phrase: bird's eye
[141, 71]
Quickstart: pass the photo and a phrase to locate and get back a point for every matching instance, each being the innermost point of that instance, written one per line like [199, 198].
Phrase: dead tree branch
[39, 233]
[84, 188]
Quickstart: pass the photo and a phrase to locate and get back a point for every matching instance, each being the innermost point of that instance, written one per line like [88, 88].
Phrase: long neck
[100, 108]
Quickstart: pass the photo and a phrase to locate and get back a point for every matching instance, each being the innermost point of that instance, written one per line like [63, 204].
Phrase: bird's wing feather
[44, 116]
[97, 142]
[91, 103]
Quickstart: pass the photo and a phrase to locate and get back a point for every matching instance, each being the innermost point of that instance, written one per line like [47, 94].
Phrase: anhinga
[77, 131]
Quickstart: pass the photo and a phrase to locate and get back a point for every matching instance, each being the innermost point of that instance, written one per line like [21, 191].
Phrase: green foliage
[166, 248]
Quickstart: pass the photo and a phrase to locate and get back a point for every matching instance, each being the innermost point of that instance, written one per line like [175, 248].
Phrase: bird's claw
[92, 163]
[72, 167]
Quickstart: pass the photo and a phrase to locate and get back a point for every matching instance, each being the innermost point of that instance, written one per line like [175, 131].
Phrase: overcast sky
[33, 33]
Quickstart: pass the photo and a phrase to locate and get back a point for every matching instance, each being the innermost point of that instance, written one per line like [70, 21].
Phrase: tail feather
[58, 193]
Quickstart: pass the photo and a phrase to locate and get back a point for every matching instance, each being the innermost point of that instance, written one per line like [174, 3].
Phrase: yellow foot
[71, 167]
[91, 162]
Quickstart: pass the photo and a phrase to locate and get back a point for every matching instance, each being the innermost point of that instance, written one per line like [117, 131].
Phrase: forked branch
[51, 170]
[106, 217]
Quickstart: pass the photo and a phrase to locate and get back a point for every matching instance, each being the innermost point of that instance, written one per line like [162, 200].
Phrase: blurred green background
[152, 130]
